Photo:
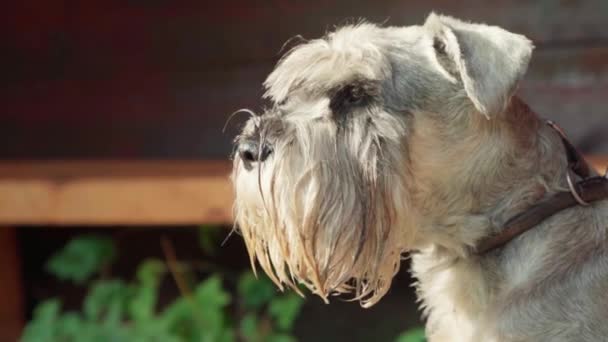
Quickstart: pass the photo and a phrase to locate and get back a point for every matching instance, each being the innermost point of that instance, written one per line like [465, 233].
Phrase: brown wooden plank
[12, 309]
[61, 171]
[121, 193]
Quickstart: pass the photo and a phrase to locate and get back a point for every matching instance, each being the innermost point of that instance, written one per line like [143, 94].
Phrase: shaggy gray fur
[391, 140]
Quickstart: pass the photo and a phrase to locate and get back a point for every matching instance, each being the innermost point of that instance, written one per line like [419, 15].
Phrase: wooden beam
[115, 193]
[122, 193]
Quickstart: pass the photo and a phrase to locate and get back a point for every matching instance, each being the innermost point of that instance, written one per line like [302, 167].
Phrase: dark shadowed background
[158, 78]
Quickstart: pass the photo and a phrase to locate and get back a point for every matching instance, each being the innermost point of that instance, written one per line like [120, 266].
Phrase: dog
[382, 142]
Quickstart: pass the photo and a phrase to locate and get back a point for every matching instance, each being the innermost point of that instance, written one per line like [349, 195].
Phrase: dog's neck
[584, 193]
[470, 183]
[518, 161]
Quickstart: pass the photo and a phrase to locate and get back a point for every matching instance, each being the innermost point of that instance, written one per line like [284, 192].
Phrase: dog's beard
[328, 209]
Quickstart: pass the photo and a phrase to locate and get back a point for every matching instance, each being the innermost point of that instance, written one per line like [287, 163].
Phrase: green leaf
[95, 332]
[285, 310]
[249, 327]
[150, 272]
[108, 300]
[226, 335]
[412, 335]
[210, 294]
[70, 326]
[210, 300]
[42, 326]
[255, 292]
[200, 318]
[151, 331]
[280, 338]
[81, 257]
[178, 319]
[143, 303]
[175, 312]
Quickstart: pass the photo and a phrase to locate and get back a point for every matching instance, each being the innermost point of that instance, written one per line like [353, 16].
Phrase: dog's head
[324, 178]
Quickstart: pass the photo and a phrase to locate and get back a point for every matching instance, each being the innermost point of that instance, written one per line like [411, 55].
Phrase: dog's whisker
[232, 231]
[242, 110]
[289, 41]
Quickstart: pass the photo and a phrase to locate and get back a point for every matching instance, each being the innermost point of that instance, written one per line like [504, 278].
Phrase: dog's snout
[251, 151]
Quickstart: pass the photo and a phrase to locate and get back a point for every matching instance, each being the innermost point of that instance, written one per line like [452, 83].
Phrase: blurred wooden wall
[158, 78]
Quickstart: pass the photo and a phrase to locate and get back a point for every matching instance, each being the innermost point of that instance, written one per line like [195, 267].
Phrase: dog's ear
[488, 60]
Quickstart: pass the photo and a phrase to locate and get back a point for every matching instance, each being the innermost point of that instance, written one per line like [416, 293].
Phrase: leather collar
[584, 192]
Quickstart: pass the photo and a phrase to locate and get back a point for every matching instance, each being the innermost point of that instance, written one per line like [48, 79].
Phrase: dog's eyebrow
[353, 94]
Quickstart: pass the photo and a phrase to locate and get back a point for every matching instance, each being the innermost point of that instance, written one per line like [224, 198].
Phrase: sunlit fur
[439, 157]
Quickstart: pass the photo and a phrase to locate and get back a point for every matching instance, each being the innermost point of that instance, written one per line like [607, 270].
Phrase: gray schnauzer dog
[382, 141]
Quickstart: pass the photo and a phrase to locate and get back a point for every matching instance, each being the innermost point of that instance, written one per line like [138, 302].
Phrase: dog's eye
[349, 96]
[439, 46]
[353, 95]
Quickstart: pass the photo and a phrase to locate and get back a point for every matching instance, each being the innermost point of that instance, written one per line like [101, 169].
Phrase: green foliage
[249, 327]
[120, 310]
[255, 292]
[81, 258]
[413, 335]
[142, 306]
[43, 326]
[280, 338]
[284, 310]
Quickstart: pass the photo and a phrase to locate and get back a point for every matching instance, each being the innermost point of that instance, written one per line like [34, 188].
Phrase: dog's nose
[250, 151]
